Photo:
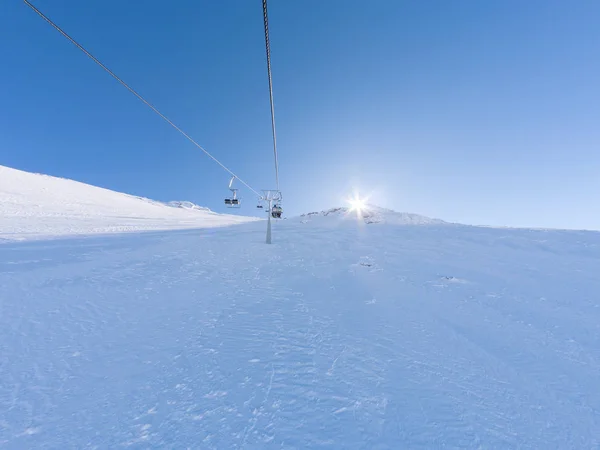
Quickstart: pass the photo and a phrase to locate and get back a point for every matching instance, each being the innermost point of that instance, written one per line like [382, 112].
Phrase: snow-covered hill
[370, 214]
[339, 335]
[35, 205]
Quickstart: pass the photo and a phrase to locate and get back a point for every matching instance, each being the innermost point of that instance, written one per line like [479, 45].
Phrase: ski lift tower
[273, 199]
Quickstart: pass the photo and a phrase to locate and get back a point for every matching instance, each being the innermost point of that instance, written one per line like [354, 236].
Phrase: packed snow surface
[339, 335]
[38, 206]
[377, 330]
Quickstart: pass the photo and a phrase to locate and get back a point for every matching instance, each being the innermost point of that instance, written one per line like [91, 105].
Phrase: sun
[357, 204]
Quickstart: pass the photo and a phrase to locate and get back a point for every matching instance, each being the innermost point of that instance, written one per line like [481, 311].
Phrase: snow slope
[369, 215]
[37, 206]
[339, 335]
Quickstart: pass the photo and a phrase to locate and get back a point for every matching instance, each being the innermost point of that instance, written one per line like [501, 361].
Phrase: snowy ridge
[40, 206]
[373, 214]
[187, 205]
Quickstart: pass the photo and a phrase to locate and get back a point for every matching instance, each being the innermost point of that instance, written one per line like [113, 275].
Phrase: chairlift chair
[233, 201]
[276, 212]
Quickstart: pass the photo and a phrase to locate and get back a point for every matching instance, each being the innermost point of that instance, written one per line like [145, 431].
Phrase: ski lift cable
[268, 48]
[93, 58]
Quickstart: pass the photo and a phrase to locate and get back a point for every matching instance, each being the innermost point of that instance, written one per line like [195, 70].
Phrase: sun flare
[357, 203]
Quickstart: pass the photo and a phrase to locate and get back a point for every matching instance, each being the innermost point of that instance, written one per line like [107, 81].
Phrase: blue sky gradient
[477, 112]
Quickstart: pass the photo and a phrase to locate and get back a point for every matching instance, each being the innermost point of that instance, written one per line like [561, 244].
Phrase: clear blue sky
[473, 111]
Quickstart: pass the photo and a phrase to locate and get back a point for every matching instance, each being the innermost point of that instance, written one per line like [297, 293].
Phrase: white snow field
[343, 334]
[38, 206]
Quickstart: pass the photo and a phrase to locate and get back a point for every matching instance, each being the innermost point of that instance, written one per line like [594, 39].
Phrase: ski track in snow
[336, 336]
